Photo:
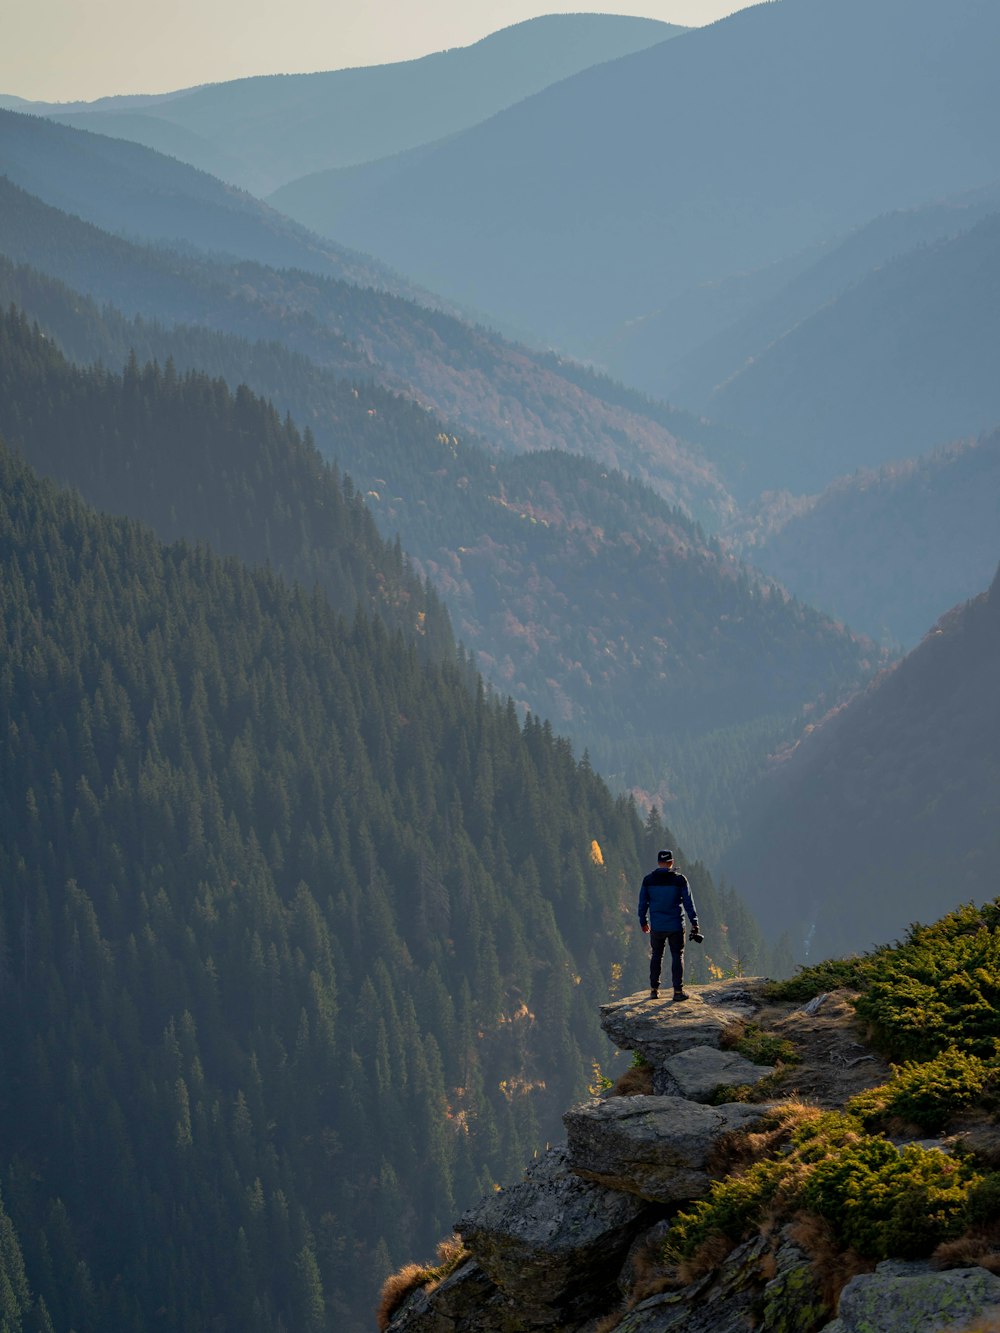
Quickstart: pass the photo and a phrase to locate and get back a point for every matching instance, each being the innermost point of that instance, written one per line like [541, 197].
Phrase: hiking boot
[681, 995]
[654, 994]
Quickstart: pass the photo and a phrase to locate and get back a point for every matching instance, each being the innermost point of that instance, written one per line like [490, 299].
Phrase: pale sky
[66, 50]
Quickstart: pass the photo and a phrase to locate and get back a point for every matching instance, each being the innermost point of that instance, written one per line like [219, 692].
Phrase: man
[663, 893]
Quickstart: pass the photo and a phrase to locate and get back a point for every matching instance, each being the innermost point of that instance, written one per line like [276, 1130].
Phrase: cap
[665, 855]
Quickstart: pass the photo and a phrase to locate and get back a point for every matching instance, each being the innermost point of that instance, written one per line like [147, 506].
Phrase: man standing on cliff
[662, 895]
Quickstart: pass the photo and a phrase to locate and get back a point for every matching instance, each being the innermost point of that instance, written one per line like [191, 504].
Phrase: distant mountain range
[260, 133]
[888, 811]
[885, 550]
[604, 198]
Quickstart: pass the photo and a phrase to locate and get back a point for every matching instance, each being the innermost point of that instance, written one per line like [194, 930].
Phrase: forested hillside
[582, 594]
[889, 809]
[296, 931]
[885, 551]
[473, 379]
[189, 458]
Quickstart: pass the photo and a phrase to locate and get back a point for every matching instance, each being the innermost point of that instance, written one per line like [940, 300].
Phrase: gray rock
[722, 1302]
[654, 1238]
[901, 1297]
[698, 1071]
[792, 1301]
[465, 1302]
[554, 1242]
[660, 1028]
[655, 1147]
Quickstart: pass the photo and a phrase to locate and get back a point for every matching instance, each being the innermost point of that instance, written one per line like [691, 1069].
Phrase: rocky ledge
[557, 1251]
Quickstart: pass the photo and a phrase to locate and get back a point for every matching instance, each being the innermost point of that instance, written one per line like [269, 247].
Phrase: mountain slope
[475, 380]
[599, 199]
[272, 129]
[884, 551]
[704, 368]
[191, 460]
[301, 937]
[581, 592]
[130, 190]
[903, 360]
[887, 812]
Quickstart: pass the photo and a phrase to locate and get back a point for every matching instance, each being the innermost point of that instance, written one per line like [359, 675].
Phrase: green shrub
[878, 1200]
[763, 1048]
[940, 988]
[882, 1201]
[984, 1201]
[809, 982]
[930, 1094]
[733, 1209]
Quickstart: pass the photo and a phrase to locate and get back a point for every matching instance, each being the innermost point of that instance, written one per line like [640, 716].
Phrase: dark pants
[657, 939]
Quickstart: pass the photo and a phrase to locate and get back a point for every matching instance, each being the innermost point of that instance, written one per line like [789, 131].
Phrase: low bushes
[877, 1200]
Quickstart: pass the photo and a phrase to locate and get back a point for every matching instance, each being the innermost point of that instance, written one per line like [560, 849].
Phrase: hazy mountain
[262, 132]
[132, 191]
[474, 379]
[901, 361]
[885, 550]
[158, 133]
[887, 812]
[720, 327]
[602, 198]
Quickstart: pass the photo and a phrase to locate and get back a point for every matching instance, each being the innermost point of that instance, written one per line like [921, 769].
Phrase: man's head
[665, 858]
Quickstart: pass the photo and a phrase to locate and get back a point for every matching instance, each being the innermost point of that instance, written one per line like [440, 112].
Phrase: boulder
[901, 1297]
[697, 1072]
[659, 1029]
[653, 1147]
[554, 1242]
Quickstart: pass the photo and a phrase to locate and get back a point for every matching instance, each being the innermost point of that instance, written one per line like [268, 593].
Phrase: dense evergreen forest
[303, 935]
[583, 593]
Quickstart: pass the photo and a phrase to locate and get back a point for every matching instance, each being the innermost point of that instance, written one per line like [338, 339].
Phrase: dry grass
[609, 1322]
[395, 1290]
[970, 1251]
[733, 1034]
[986, 1323]
[651, 1273]
[450, 1253]
[635, 1082]
[712, 1252]
[833, 1266]
[731, 1153]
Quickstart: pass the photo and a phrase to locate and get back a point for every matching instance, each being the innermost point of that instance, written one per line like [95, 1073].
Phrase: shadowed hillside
[884, 551]
[889, 809]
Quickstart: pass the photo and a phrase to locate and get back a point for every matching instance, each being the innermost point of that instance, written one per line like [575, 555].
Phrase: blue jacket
[662, 894]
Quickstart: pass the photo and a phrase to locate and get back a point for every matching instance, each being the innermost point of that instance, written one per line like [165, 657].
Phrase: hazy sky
[62, 50]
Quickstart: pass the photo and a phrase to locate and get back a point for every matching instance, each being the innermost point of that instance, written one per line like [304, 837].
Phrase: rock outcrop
[655, 1147]
[553, 1243]
[558, 1251]
[901, 1297]
[658, 1029]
